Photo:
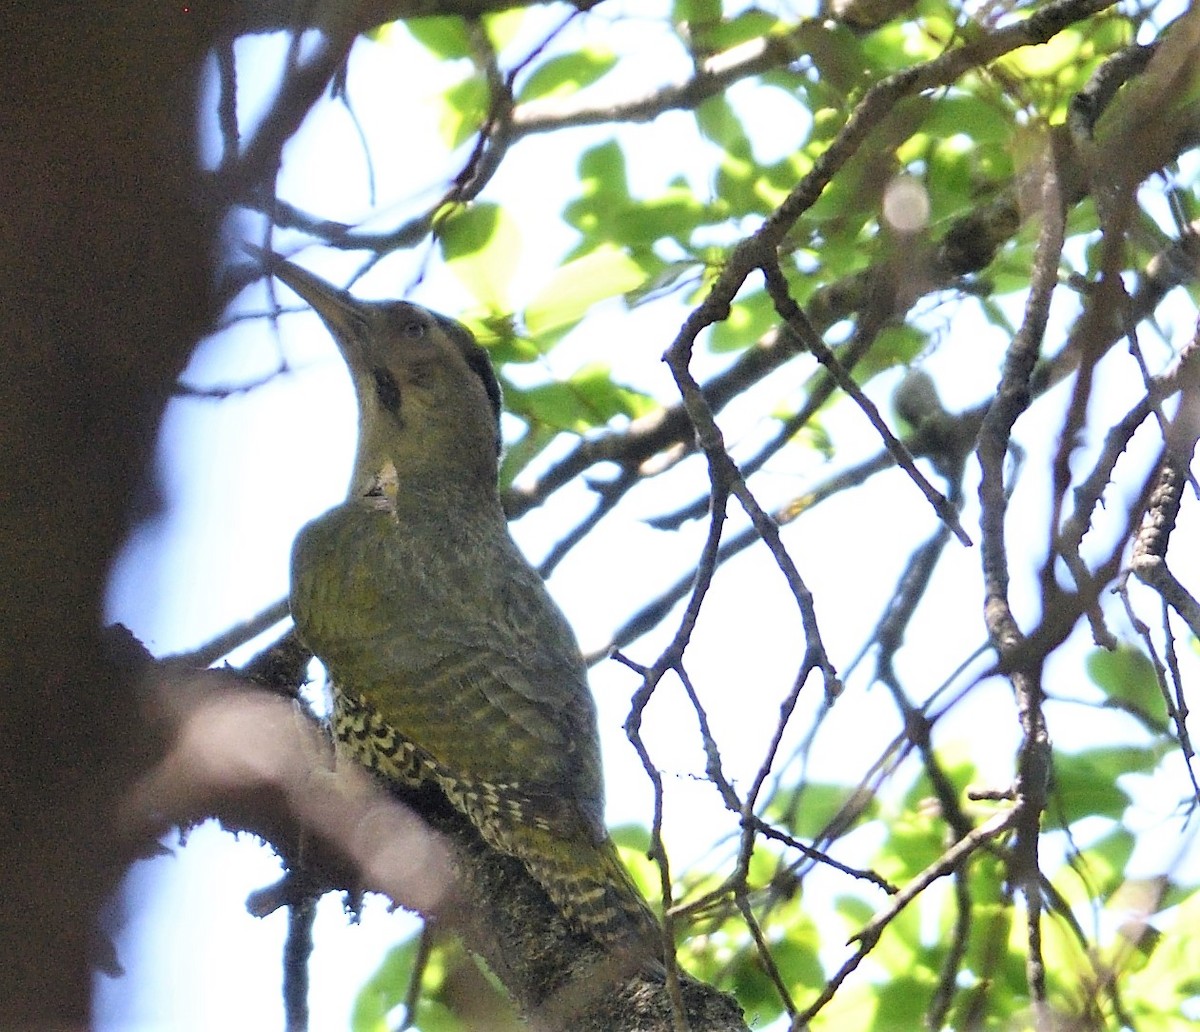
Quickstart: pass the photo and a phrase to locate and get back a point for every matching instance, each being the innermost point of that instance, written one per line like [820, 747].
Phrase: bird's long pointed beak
[338, 309]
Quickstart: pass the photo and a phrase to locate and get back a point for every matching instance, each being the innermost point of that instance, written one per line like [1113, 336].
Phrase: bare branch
[869, 935]
[237, 636]
[714, 76]
[726, 478]
[259, 763]
[1012, 397]
[1149, 560]
[297, 949]
[799, 324]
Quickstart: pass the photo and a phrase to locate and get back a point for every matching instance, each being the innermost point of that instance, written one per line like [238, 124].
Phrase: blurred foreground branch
[257, 761]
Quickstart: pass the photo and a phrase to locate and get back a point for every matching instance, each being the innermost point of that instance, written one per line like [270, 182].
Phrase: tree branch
[258, 762]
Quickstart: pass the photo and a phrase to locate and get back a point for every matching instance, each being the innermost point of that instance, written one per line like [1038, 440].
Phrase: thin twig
[870, 933]
[960, 940]
[237, 636]
[416, 976]
[297, 950]
[799, 324]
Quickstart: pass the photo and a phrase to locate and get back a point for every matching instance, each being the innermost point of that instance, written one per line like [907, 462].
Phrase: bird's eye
[414, 330]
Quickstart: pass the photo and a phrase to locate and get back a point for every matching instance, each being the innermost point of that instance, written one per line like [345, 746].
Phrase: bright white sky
[239, 476]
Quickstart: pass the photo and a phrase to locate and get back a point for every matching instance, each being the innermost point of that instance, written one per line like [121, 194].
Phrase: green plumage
[450, 665]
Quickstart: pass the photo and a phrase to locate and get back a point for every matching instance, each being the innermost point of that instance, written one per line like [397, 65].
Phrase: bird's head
[428, 398]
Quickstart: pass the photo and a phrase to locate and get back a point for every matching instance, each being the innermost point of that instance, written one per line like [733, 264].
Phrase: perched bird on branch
[450, 665]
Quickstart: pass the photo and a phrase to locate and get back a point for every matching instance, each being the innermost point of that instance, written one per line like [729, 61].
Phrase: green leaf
[716, 35]
[718, 121]
[986, 877]
[567, 74]
[894, 46]
[481, 244]
[1127, 678]
[796, 954]
[1009, 271]
[988, 955]
[519, 454]
[809, 809]
[632, 837]
[496, 333]
[385, 990]
[826, 124]
[553, 405]
[576, 286]
[468, 230]
[894, 346]
[1085, 783]
[673, 214]
[815, 435]
[738, 183]
[464, 107]
[435, 1016]
[444, 36]
[633, 842]
[1155, 995]
[751, 985]
[587, 400]
[981, 120]
[602, 171]
[903, 999]
[603, 188]
[916, 834]
[502, 26]
[1107, 859]
[671, 276]
[783, 174]
[856, 912]
[696, 14]
[1059, 52]
[749, 318]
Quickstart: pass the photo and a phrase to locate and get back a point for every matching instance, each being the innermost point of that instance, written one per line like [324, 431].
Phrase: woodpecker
[450, 665]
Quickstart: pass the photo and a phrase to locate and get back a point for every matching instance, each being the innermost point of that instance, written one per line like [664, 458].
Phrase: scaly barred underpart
[585, 880]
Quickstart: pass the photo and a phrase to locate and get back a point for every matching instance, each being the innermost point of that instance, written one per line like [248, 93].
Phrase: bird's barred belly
[588, 885]
[494, 808]
[366, 738]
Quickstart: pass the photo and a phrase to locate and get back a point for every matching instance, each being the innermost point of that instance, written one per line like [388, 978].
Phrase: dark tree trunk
[103, 279]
